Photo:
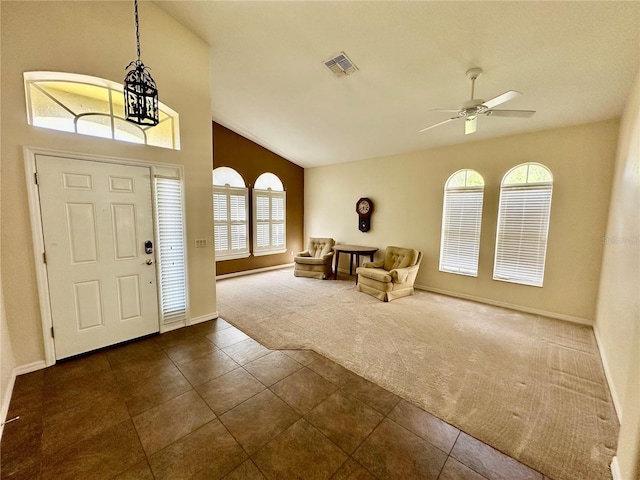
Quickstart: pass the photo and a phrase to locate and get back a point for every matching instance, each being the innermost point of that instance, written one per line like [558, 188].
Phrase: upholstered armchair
[315, 261]
[392, 277]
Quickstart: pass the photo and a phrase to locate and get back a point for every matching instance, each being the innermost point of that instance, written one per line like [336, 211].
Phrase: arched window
[92, 106]
[523, 224]
[461, 222]
[269, 215]
[230, 214]
[268, 181]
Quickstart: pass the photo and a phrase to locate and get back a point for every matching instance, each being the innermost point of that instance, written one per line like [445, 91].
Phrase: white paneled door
[97, 219]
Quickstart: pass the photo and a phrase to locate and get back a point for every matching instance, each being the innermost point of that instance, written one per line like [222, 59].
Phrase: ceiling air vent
[340, 65]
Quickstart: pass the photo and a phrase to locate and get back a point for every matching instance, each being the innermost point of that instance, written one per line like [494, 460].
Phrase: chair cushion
[318, 247]
[377, 274]
[309, 260]
[398, 257]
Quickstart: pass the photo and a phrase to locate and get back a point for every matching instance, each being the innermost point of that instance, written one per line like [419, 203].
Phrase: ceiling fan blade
[510, 113]
[470, 125]
[438, 124]
[505, 97]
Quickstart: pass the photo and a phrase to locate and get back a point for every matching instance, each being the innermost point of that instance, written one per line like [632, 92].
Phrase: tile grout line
[193, 388]
[146, 454]
[301, 416]
[133, 424]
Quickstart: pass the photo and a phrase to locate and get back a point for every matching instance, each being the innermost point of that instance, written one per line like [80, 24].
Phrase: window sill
[528, 283]
[235, 256]
[465, 274]
[269, 252]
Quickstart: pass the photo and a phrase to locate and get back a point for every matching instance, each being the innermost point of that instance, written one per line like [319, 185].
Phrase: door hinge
[52, 334]
[44, 257]
[36, 177]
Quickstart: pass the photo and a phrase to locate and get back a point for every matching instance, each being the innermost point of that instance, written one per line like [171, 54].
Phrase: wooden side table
[353, 251]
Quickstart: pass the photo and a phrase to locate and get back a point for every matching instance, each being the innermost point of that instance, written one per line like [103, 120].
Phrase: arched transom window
[92, 106]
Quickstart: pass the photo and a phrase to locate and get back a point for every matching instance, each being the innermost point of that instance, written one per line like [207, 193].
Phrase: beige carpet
[530, 386]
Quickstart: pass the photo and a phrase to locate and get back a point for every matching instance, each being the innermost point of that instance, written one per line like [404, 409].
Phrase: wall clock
[364, 208]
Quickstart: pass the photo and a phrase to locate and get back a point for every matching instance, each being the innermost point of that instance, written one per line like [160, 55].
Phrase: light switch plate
[201, 242]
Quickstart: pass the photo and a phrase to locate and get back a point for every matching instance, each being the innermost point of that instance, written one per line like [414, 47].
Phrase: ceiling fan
[471, 109]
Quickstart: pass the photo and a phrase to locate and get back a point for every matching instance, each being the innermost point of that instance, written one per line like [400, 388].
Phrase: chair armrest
[378, 264]
[304, 253]
[401, 275]
[327, 256]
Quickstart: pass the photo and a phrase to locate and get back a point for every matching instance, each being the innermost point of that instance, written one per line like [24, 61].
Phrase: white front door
[96, 219]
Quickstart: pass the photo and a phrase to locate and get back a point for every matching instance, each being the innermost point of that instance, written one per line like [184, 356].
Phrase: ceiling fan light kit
[470, 109]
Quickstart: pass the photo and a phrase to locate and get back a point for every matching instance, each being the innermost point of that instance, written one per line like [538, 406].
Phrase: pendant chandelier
[140, 91]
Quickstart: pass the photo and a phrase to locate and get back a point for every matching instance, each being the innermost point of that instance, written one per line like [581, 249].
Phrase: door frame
[165, 170]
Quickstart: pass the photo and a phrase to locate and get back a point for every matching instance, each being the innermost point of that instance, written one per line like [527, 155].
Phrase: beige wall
[98, 39]
[251, 160]
[7, 359]
[407, 193]
[618, 311]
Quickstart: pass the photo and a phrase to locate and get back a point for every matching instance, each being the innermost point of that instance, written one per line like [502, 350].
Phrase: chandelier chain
[140, 91]
[137, 29]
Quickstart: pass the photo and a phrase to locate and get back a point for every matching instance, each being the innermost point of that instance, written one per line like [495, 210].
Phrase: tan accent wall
[407, 191]
[251, 160]
[618, 311]
[98, 39]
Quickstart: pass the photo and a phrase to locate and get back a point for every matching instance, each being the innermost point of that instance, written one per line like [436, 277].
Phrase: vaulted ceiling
[574, 62]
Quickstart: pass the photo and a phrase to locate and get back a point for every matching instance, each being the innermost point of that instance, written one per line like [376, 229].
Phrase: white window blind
[230, 222]
[523, 226]
[461, 223]
[171, 249]
[269, 221]
[220, 224]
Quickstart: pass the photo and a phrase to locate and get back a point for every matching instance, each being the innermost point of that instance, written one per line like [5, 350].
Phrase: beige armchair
[315, 261]
[392, 277]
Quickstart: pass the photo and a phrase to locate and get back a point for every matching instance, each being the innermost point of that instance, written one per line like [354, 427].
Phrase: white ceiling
[573, 61]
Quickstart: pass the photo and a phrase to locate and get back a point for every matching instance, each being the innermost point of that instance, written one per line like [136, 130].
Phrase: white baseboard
[255, 270]
[511, 306]
[30, 367]
[203, 318]
[607, 374]
[6, 400]
[346, 271]
[169, 327]
[615, 469]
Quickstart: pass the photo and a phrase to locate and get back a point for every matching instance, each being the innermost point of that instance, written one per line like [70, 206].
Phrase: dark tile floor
[208, 402]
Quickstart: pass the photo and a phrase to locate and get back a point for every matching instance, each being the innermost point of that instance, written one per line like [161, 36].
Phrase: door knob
[149, 262]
